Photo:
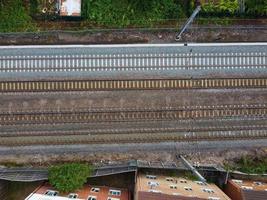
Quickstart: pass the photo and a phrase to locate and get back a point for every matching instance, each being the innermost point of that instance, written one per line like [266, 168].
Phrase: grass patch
[249, 165]
[190, 176]
[127, 13]
[12, 164]
[14, 17]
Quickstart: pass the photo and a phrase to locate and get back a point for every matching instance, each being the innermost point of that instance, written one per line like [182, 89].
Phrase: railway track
[133, 138]
[141, 59]
[95, 85]
[30, 73]
[65, 117]
[131, 130]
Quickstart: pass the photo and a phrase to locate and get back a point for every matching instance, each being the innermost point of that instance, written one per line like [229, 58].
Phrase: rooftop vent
[214, 198]
[237, 181]
[151, 177]
[51, 193]
[112, 198]
[173, 186]
[169, 179]
[73, 196]
[115, 192]
[247, 188]
[92, 198]
[208, 190]
[94, 189]
[258, 183]
[183, 181]
[155, 191]
[200, 183]
[188, 188]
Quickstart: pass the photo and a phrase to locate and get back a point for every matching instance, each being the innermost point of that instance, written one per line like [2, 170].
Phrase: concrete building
[88, 192]
[246, 190]
[159, 187]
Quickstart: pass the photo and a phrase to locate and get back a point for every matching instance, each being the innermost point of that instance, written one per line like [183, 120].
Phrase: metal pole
[194, 171]
[188, 22]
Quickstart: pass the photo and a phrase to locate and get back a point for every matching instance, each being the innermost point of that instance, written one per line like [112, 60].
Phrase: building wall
[124, 180]
[233, 191]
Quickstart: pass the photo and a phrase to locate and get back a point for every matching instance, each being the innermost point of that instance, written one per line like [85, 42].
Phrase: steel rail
[134, 61]
[132, 68]
[122, 56]
[17, 133]
[124, 116]
[125, 109]
[148, 84]
[133, 138]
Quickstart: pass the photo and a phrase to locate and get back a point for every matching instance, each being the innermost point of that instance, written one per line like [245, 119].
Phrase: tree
[69, 177]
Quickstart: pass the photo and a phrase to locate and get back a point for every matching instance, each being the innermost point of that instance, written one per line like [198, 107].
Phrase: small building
[88, 192]
[246, 189]
[159, 187]
[69, 8]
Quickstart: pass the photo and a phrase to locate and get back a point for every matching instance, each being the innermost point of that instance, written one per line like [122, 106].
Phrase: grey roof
[24, 175]
[31, 174]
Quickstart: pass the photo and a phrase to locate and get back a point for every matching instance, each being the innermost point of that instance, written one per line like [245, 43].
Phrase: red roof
[254, 195]
[159, 196]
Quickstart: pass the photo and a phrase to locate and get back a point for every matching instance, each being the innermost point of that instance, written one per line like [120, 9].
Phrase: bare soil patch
[217, 158]
[230, 34]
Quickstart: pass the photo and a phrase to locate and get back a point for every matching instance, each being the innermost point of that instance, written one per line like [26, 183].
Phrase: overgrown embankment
[27, 15]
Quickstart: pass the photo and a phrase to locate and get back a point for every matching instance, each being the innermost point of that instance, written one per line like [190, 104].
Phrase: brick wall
[232, 191]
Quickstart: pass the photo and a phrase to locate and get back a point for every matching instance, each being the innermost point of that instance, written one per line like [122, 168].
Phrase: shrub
[69, 177]
[130, 12]
[224, 7]
[249, 164]
[256, 7]
[14, 17]
[252, 165]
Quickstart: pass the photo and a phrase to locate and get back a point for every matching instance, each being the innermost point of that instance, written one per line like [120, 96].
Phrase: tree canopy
[69, 177]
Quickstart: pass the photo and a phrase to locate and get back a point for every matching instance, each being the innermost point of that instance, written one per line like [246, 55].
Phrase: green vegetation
[130, 12]
[14, 17]
[224, 7]
[26, 15]
[190, 176]
[33, 8]
[69, 177]
[256, 7]
[249, 165]
[11, 164]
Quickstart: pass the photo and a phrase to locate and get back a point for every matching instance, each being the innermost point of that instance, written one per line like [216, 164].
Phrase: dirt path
[218, 158]
[229, 34]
